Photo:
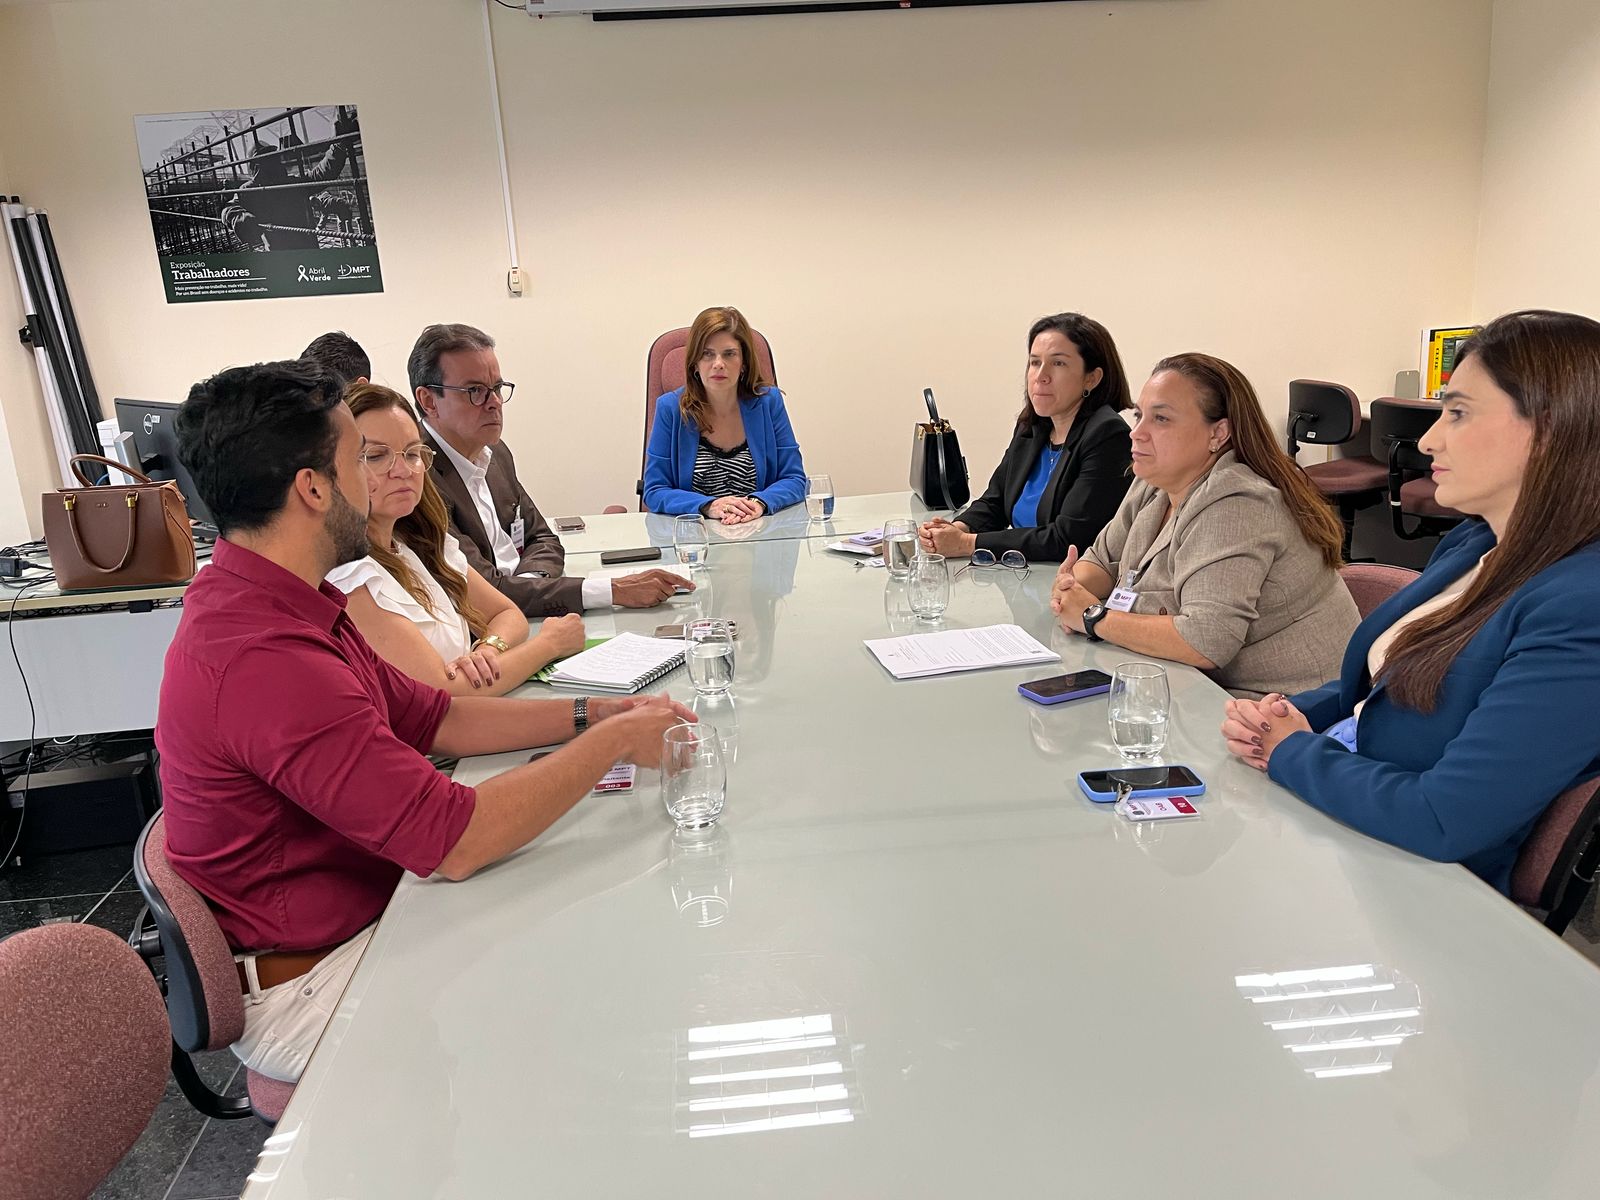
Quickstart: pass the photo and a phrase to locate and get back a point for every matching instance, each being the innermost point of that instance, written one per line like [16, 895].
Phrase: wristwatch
[1092, 616]
[493, 639]
[580, 715]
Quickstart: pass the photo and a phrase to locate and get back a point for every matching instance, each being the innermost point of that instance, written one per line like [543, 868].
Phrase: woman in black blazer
[1066, 470]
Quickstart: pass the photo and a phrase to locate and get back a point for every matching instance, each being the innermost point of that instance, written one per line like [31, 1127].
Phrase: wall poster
[250, 203]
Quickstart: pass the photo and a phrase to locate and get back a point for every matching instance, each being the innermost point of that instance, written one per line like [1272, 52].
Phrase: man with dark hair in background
[341, 355]
[295, 783]
[457, 386]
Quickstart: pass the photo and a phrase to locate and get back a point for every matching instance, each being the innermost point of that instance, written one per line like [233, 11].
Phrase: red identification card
[1158, 810]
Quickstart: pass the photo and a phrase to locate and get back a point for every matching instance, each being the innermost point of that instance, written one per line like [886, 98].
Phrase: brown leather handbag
[118, 535]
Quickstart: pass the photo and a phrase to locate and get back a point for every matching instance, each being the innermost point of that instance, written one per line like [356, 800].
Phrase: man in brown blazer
[456, 381]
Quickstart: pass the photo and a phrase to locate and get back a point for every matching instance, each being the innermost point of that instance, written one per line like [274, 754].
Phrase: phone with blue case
[1101, 786]
[1060, 688]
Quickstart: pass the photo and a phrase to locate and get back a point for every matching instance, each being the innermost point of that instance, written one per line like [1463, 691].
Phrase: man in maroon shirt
[295, 785]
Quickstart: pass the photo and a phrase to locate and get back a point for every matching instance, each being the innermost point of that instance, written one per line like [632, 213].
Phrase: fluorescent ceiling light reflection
[826, 1068]
[1349, 1044]
[1318, 975]
[782, 1027]
[1322, 995]
[1369, 1069]
[832, 1116]
[816, 1095]
[761, 1048]
[1393, 1014]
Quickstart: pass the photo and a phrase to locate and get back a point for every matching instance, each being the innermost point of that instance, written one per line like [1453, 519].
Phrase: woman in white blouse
[414, 598]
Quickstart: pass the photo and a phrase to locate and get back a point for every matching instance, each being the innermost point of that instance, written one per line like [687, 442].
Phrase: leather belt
[273, 969]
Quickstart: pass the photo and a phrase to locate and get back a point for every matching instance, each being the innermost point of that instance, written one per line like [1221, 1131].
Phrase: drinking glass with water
[930, 586]
[819, 497]
[694, 777]
[708, 651]
[1137, 710]
[690, 539]
[899, 547]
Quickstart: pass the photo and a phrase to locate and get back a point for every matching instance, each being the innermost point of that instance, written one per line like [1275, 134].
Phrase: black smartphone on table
[642, 554]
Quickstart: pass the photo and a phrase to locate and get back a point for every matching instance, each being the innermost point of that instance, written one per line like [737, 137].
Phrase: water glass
[930, 586]
[1137, 710]
[694, 777]
[899, 547]
[708, 652]
[692, 542]
[819, 497]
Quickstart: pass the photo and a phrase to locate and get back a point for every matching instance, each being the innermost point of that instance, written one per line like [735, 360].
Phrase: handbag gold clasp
[133, 499]
[67, 501]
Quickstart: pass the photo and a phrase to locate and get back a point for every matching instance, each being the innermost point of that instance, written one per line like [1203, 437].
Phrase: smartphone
[1060, 688]
[570, 525]
[676, 631]
[642, 554]
[1101, 786]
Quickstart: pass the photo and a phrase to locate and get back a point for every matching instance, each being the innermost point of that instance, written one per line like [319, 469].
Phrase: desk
[912, 961]
[851, 514]
[92, 660]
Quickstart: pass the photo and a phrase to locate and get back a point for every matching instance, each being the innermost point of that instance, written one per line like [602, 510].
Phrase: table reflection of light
[795, 1072]
[1339, 1021]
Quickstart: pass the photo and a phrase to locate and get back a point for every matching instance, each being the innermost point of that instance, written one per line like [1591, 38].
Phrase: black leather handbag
[938, 472]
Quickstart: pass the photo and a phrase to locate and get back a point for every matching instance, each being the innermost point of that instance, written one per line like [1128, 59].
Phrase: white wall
[1537, 243]
[892, 197]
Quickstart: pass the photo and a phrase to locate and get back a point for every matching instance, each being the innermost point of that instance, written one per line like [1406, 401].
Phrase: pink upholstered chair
[85, 1060]
[1329, 414]
[1556, 866]
[665, 371]
[204, 1000]
[1371, 584]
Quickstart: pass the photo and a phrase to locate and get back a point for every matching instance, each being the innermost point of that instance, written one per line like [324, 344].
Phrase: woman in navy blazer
[1067, 467]
[722, 445]
[1467, 701]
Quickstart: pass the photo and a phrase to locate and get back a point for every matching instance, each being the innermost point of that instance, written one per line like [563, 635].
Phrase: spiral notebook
[624, 663]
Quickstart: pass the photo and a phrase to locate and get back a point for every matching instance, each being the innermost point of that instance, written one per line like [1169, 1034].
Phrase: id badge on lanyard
[1124, 597]
[519, 530]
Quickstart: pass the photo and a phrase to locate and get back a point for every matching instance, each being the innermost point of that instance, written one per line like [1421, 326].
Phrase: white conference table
[913, 961]
[851, 514]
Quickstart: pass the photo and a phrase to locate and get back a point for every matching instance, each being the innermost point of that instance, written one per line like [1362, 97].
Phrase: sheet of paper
[951, 650]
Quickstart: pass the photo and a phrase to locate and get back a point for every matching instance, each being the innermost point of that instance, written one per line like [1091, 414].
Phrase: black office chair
[1397, 426]
[1328, 414]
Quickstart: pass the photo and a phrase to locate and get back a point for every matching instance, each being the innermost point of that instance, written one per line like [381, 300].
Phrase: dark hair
[1225, 392]
[246, 433]
[427, 526]
[342, 355]
[422, 368]
[706, 326]
[1096, 349]
[1549, 364]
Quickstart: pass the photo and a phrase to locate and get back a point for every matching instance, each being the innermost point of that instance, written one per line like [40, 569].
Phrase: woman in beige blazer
[1223, 556]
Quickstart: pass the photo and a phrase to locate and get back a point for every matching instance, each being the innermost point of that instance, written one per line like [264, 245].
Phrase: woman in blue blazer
[1468, 701]
[722, 445]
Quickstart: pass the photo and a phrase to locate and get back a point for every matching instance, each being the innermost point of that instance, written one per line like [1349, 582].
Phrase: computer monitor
[155, 441]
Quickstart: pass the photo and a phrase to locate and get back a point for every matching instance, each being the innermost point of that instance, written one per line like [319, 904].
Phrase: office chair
[1330, 415]
[85, 1061]
[1371, 584]
[1397, 426]
[665, 371]
[201, 981]
[1556, 866]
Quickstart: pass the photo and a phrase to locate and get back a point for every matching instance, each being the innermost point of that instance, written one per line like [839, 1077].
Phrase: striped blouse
[724, 472]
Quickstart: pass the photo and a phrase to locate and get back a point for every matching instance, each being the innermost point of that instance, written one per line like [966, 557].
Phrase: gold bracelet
[492, 639]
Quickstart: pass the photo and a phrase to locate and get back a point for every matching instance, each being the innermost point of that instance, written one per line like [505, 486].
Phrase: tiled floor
[182, 1155]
